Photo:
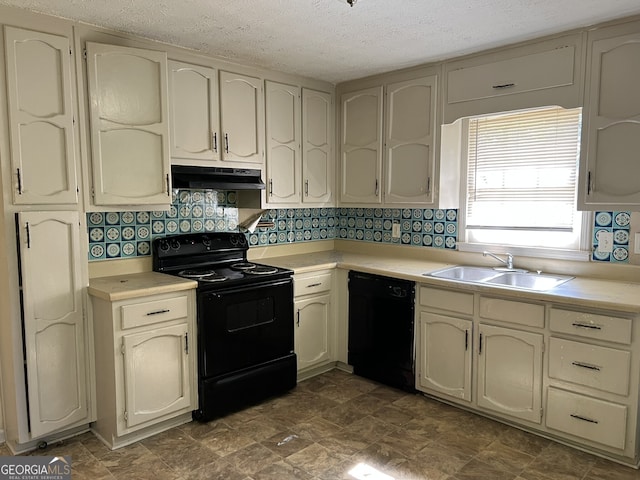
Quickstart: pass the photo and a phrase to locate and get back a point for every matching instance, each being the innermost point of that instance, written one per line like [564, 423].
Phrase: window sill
[535, 252]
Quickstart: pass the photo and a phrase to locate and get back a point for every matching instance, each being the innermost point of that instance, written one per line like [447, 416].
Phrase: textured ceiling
[328, 39]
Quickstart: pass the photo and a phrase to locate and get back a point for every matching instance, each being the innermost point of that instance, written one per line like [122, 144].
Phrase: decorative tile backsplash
[129, 234]
[617, 223]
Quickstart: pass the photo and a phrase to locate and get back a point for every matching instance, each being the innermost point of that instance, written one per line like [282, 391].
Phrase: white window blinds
[522, 170]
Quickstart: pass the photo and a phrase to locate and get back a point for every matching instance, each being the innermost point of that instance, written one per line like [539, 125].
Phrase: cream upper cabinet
[547, 72]
[129, 125]
[444, 355]
[510, 372]
[54, 325]
[317, 147]
[41, 118]
[194, 113]
[241, 118]
[283, 143]
[361, 147]
[410, 141]
[610, 171]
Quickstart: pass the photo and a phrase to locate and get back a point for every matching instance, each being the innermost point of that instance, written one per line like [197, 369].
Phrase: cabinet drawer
[145, 313]
[537, 71]
[312, 284]
[596, 420]
[520, 313]
[591, 325]
[447, 300]
[590, 365]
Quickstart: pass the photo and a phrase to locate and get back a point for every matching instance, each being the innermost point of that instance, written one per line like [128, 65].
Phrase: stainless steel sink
[465, 274]
[530, 281]
[520, 279]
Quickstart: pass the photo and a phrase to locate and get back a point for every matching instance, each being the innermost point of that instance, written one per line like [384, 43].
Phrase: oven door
[243, 327]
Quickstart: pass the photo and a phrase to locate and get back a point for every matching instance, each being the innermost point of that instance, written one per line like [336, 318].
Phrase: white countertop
[134, 285]
[581, 291]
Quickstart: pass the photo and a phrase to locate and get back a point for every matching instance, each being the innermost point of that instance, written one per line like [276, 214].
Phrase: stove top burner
[213, 277]
[261, 270]
[197, 274]
[243, 266]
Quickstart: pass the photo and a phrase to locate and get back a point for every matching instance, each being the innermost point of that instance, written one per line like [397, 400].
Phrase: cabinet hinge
[122, 347]
[84, 54]
[126, 415]
[70, 52]
[543, 347]
[541, 412]
[73, 120]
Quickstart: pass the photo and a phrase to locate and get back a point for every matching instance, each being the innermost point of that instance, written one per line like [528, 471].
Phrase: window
[521, 179]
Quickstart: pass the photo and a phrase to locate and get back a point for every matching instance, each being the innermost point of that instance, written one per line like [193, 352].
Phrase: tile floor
[325, 427]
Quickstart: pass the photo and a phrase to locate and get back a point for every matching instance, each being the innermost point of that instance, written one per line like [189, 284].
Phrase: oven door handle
[251, 286]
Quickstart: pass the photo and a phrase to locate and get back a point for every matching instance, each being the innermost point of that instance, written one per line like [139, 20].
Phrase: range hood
[216, 178]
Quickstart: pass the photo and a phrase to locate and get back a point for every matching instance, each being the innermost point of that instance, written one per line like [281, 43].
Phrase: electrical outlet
[395, 233]
[605, 242]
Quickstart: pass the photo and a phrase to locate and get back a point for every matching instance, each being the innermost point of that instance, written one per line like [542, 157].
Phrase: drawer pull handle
[503, 85]
[585, 365]
[586, 325]
[311, 285]
[584, 419]
[158, 312]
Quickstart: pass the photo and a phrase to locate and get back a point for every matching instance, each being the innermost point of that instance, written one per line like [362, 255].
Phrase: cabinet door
[611, 136]
[283, 143]
[193, 108]
[361, 160]
[510, 372]
[313, 332]
[54, 334]
[241, 118]
[410, 133]
[317, 147]
[445, 355]
[156, 373]
[129, 125]
[43, 152]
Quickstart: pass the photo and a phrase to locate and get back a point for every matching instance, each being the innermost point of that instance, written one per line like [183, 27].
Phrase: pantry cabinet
[129, 116]
[314, 318]
[145, 359]
[57, 357]
[43, 148]
[194, 113]
[241, 118]
[611, 127]
[283, 143]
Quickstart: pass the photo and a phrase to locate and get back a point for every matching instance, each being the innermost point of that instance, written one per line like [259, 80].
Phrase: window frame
[585, 243]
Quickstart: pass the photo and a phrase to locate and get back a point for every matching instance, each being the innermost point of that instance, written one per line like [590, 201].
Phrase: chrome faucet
[508, 262]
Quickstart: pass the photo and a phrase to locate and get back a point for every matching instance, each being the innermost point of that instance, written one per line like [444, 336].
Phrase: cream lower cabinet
[145, 365]
[314, 318]
[569, 374]
[593, 379]
[510, 372]
[445, 355]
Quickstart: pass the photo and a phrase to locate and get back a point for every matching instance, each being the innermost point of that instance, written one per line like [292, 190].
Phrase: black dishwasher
[381, 311]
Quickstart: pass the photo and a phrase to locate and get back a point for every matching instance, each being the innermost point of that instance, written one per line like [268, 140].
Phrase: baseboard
[2, 437]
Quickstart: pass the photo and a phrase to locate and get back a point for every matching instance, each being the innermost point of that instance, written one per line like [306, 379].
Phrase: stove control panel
[199, 243]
